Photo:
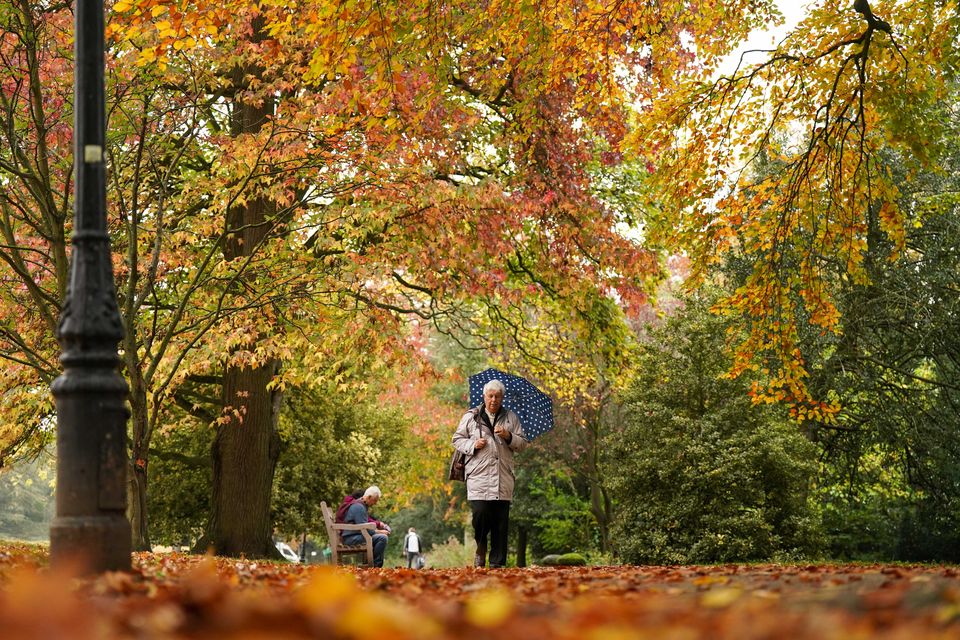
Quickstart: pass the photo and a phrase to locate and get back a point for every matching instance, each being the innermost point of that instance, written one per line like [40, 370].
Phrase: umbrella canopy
[532, 406]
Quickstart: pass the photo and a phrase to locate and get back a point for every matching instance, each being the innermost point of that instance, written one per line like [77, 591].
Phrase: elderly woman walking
[489, 435]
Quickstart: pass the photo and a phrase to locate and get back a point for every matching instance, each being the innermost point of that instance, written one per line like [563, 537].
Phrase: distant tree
[26, 499]
[429, 515]
[330, 447]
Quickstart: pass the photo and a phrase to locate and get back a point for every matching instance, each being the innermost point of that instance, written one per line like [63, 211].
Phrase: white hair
[373, 491]
[494, 385]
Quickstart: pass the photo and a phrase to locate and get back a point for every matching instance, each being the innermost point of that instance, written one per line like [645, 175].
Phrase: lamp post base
[90, 544]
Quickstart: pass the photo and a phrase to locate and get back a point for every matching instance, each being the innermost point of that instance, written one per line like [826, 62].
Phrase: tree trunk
[245, 452]
[600, 503]
[139, 444]
[521, 546]
[137, 506]
[247, 445]
[602, 509]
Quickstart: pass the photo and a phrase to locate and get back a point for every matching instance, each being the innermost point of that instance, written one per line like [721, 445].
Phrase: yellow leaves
[165, 29]
[490, 608]
[186, 43]
[827, 412]
[147, 56]
[710, 580]
[947, 613]
[774, 341]
[720, 598]
[329, 587]
[334, 598]
[893, 223]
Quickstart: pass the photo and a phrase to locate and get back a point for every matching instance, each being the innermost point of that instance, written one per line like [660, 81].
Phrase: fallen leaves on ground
[184, 596]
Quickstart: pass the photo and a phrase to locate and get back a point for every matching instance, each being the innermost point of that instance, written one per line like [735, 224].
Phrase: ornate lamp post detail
[91, 526]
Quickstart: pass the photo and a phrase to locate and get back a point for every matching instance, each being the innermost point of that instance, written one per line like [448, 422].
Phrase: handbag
[458, 461]
[458, 465]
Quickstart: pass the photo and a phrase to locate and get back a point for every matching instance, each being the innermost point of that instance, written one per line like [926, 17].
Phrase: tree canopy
[306, 197]
[849, 82]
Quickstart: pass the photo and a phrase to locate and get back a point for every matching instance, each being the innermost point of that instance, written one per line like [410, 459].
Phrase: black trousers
[492, 517]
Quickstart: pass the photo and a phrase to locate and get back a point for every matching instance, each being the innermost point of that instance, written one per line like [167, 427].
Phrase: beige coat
[489, 471]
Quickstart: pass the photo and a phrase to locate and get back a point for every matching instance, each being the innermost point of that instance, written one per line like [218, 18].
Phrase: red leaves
[177, 596]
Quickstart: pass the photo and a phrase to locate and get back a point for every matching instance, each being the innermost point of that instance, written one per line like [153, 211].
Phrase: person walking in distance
[412, 548]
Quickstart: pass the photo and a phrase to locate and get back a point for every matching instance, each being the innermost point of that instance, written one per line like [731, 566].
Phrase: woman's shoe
[480, 559]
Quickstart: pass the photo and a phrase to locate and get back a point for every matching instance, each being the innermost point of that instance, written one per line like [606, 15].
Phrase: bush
[931, 532]
[451, 554]
[862, 507]
[564, 560]
[702, 475]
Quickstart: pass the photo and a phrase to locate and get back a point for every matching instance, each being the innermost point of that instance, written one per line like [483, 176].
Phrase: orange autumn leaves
[179, 596]
[785, 165]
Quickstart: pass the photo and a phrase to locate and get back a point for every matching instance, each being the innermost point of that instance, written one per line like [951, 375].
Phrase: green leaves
[712, 477]
[782, 163]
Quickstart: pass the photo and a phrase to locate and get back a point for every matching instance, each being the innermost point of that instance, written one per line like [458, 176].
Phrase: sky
[792, 10]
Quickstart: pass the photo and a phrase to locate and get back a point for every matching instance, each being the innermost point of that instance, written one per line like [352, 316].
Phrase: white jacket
[489, 471]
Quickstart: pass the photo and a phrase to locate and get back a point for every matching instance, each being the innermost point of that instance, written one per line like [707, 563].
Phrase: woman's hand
[480, 444]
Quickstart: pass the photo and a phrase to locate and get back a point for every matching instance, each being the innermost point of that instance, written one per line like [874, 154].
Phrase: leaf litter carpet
[185, 596]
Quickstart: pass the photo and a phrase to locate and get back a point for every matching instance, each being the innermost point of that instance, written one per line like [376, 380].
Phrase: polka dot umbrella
[532, 406]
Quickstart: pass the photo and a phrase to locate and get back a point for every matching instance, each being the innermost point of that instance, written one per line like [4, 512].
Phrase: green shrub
[564, 560]
[450, 554]
[862, 508]
[700, 474]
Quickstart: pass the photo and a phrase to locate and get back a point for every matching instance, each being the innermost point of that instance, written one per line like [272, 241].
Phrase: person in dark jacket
[358, 513]
[489, 435]
[349, 499]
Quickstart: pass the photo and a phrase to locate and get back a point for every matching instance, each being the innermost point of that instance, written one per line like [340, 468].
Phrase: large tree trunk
[245, 454]
[247, 445]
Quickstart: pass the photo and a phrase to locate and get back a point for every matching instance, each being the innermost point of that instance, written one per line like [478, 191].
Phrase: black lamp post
[91, 526]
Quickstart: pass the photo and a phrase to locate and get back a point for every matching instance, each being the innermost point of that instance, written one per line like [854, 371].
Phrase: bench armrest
[364, 530]
[354, 527]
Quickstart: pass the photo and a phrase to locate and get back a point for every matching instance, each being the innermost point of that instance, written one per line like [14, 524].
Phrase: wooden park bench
[334, 531]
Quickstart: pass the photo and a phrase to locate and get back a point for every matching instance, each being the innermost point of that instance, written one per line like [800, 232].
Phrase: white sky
[792, 10]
